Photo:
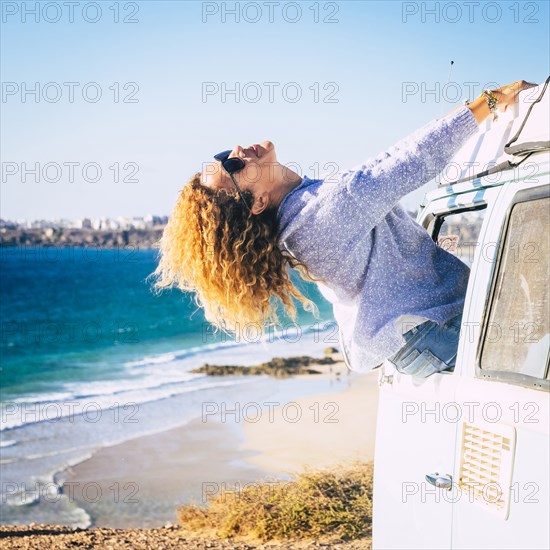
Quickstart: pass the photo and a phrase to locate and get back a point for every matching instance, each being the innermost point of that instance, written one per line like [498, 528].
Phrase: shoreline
[151, 475]
[129, 239]
[132, 490]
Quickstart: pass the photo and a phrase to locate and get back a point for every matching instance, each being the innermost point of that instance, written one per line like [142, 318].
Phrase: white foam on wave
[41, 397]
[287, 336]
[180, 354]
[157, 377]
[44, 494]
[153, 360]
[147, 381]
[92, 407]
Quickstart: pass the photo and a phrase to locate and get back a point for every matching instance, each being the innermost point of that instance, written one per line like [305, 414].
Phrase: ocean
[91, 357]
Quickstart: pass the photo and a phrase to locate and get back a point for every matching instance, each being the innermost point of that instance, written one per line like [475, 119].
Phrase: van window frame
[438, 218]
[516, 378]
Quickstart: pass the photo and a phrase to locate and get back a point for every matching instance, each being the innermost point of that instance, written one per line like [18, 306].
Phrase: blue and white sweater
[379, 265]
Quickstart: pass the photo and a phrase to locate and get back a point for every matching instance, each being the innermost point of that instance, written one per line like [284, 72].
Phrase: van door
[501, 495]
[413, 439]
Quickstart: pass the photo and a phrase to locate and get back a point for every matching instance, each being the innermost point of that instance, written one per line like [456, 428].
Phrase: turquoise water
[90, 358]
[73, 316]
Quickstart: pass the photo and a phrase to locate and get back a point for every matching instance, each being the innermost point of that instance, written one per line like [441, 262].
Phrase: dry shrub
[331, 504]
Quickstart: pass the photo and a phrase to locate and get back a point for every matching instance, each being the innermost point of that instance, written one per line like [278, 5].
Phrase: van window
[517, 334]
[458, 233]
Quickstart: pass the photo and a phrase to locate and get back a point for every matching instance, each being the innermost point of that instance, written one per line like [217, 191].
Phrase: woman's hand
[508, 95]
[505, 96]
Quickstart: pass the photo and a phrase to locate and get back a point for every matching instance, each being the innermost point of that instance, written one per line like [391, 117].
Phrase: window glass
[459, 233]
[517, 335]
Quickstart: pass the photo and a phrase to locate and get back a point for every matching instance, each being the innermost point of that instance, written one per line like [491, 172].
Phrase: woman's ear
[261, 202]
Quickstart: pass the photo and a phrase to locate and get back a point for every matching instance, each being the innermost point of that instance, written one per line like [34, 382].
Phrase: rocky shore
[279, 367]
[165, 465]
[57, 537]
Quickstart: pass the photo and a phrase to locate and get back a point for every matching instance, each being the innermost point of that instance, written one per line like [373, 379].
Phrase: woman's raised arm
[381, 182]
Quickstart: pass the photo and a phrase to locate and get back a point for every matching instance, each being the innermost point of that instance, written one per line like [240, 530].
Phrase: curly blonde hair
[230, 258]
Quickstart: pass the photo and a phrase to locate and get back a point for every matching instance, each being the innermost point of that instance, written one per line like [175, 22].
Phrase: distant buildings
[149, 221]
[107, 233]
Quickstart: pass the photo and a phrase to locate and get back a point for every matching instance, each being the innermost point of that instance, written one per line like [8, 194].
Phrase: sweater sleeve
[381, 182]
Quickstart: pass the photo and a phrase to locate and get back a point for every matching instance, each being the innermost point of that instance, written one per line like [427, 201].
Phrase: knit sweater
[377, 263]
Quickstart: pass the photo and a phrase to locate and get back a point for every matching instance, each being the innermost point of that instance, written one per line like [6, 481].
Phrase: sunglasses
[232, 166]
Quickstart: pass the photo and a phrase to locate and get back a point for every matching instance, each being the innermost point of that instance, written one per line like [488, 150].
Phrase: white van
[462, 458]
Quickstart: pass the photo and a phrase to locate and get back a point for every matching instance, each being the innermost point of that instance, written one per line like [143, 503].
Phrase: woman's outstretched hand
[508, 95]
[505, 96]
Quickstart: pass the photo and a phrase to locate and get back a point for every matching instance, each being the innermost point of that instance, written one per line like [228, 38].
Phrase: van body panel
[493, 404]
[414, 440]
[456, 424]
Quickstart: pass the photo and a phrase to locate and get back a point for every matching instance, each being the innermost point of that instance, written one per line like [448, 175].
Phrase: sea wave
[275, 339]
[125, 404]
[43, 497]
[153, 377]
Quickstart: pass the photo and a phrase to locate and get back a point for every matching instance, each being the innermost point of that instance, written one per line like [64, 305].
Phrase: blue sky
[350, 61]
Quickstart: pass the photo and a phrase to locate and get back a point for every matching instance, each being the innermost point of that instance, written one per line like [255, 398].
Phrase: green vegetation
[327, 505]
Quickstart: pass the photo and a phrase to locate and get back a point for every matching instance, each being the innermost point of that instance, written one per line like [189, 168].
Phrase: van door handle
[440, 481]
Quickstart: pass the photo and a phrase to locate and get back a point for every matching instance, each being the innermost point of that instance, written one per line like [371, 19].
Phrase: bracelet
[492, 100]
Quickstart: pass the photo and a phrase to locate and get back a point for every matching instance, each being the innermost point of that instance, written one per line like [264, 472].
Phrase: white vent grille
[486, 461]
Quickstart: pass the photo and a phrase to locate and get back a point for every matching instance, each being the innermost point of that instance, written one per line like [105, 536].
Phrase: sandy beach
[140, 483]
[334, 427]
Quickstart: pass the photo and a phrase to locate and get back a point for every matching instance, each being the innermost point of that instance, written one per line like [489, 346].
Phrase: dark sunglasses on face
[232, 166]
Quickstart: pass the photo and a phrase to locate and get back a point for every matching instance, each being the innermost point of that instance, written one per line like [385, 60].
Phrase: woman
[240, 224]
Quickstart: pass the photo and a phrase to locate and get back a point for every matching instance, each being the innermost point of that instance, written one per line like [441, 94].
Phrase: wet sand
[140, 483]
